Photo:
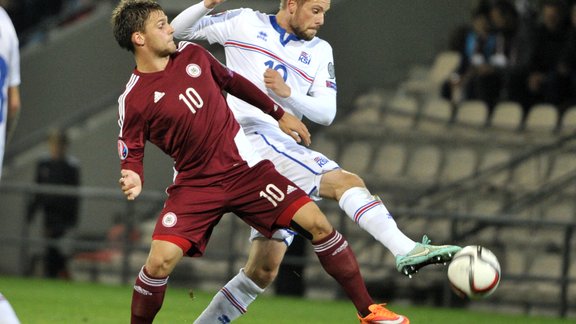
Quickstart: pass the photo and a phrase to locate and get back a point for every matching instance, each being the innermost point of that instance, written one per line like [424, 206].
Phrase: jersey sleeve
[319, 104]
[193, 24]
[131, 139]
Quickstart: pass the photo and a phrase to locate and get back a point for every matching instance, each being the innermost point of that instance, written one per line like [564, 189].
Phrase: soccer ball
[474, 272]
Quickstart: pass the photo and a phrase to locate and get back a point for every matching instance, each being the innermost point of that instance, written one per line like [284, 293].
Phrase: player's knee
[316, 230]
[262, 275]
[158, 266]
[335, 183]
[350, 180]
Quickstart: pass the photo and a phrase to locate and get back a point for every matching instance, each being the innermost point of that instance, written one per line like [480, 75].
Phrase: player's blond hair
[129, 17]
[284, 3]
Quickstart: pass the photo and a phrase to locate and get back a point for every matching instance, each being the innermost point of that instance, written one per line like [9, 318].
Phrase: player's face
[159, 34]
[308, 18]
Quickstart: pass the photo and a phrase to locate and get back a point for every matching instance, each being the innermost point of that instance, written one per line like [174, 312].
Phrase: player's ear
[292, 6]
[138, 39]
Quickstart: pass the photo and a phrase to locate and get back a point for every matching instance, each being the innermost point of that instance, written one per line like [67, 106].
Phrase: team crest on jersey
[262, 35]
[122, 150]
[169, 219]
[304, 58]
[193, 70]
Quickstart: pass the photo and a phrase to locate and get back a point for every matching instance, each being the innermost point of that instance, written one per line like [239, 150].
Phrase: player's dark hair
[129, 17]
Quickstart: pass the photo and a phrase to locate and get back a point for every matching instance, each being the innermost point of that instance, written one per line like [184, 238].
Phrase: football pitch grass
[39, 301]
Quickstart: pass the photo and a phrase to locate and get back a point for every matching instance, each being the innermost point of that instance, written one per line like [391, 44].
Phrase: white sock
[7, 314]
[231, 301]
[372, 216]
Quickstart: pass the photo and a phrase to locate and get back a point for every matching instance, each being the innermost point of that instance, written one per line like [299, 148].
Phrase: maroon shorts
[259, 195]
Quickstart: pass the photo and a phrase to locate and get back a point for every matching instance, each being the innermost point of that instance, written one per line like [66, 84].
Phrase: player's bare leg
[371, 215]
[264, 260]
[151, 282]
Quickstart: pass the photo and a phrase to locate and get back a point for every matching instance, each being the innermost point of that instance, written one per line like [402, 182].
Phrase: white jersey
[253, 41]
[9, 71]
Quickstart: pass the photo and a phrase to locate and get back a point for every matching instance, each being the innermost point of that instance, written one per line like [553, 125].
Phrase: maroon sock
[339, 261]
[147, 297]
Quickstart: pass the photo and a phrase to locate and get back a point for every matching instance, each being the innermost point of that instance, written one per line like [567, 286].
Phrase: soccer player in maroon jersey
[174, 100]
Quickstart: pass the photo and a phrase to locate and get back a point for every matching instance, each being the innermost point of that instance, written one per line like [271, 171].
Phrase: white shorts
[296, 162]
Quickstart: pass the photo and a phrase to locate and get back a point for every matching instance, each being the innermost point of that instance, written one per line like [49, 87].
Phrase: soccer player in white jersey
[9, 80]
[9, 109]
[282, 55]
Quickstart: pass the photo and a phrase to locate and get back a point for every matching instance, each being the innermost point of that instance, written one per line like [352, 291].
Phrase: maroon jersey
[183, 111]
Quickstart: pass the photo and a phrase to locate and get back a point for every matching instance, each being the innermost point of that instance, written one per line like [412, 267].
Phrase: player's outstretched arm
[211, 4]
[130, 184]
[185, 21]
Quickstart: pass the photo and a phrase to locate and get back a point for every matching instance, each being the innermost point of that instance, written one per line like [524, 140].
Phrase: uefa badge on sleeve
[122, 150]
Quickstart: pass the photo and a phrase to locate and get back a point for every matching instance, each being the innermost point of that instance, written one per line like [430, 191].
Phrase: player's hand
[130, 183]
[274, 81]
[211, 4]
[295, 128]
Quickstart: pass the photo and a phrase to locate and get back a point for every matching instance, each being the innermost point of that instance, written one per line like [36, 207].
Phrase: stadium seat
[444, 64]
[542, 118]
[390, 159]
[424, 163]
[485, 204]
[356, 157]
[458, 163]
[321, 143]
[472, 112]
[400, 112]
[563, 211]
[546, 265]
[435, 115]
[507, 115]
[531, 173]
[368, 108]
[493, 158]
[562, 164]
[568, 122]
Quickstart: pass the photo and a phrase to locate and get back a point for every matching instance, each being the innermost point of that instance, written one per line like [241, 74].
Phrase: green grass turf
[38, 301]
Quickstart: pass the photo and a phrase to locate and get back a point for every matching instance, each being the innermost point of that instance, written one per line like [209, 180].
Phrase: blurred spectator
[60, 211]
[567, 65]
[479, 75]
[541, 81]
[513, 32]
[513, 44]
